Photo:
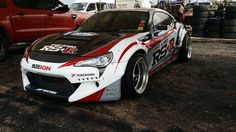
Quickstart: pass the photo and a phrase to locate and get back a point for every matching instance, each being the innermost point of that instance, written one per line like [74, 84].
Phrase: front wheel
[3, 47]
[185, 53]
[135, 79]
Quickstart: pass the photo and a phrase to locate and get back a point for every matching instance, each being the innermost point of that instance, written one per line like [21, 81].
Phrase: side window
[2, 4]
[29, 4]
[91, 7]
[50, 5]
[101, 6]
[160, 18]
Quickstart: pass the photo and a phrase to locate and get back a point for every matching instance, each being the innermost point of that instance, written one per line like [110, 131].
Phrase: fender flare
[121, 66]
[181, 34]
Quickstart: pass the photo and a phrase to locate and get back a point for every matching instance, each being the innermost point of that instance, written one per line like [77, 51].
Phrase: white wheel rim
[189, 47]
[140, 76]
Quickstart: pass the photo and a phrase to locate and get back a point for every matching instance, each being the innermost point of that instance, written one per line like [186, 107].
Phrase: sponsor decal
[65, 49]
[111, 92]
[141, 25]
[46, 91]
[160, 53]
[41, 67]
[142, 21]
[83, 75]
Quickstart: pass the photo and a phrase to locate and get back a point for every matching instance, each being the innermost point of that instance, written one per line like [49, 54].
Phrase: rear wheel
[135, 79]
[3, 47]
[186, 49]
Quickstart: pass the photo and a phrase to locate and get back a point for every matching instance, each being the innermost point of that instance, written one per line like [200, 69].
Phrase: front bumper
[71, 83]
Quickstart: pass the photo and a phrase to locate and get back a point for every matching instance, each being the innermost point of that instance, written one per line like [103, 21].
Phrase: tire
[231, 9]
[219, 13]
[3, 47]
[185, 53]
[214, 21]
[133, 83]
[230, 22]
[198, 33]
[229, 35]
[200, 14]
[230, 15]
[229, 29]
[214, 34]
[200, 8]
[196, 21]
[214, 28]
[198, 27]
[188, 20]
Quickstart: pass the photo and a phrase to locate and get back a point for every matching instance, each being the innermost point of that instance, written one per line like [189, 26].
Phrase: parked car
[107, 57]
[27, 20]
[92, 7]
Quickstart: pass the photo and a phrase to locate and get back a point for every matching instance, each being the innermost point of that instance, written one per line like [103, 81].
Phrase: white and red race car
[110, 55]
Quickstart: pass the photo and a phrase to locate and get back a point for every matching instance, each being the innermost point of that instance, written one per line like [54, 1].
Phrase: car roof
[149, 10]
[137, 10]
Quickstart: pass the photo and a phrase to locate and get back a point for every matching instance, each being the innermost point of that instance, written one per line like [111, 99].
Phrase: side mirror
[162, 27]
[66, 8]
[146, 37]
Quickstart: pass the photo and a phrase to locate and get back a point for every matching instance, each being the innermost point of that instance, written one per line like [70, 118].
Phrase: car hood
[64, 47]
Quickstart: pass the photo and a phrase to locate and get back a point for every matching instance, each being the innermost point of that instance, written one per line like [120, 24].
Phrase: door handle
[21, 13]
[50, 14]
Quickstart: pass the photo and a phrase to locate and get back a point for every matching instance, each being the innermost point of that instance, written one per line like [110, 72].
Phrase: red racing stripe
[93, 97]
[100, 51]
[155, 41]
[28, 54]
[123, 53]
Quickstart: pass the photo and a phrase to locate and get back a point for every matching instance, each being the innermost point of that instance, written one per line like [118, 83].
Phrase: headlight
[99, 61]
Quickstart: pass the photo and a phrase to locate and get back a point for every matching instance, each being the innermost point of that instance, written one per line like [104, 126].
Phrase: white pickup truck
[92, 6]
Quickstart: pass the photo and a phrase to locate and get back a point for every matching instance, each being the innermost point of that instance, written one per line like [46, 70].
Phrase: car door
[164, 38]
[56, 18]
[27, 20]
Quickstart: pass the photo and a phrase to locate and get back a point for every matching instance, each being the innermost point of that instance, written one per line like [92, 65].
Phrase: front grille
[50, 57]
[60, 85]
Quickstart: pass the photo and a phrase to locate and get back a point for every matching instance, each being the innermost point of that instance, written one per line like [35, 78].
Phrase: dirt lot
[195, 96]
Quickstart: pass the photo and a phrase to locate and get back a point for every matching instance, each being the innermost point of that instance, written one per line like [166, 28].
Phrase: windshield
[116, 21]
[79, 6]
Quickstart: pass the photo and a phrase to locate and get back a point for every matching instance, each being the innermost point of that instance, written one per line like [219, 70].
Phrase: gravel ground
[195, 96]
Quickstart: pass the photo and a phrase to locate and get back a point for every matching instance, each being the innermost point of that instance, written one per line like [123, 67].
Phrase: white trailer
[122, 4]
